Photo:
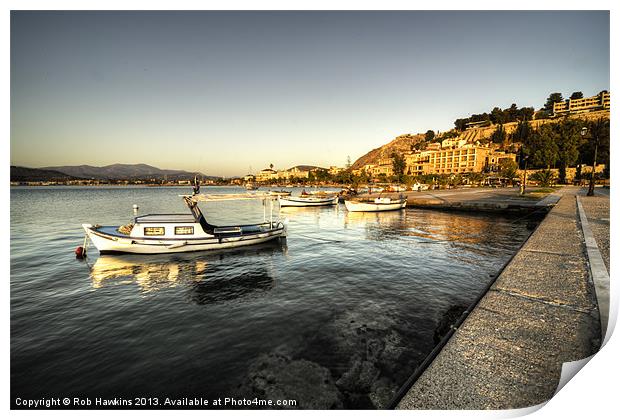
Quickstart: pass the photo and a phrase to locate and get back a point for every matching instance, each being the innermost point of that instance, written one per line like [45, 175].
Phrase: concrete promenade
[541, 311]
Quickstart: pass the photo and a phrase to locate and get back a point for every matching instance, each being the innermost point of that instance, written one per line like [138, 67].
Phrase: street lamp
[584, 131]
[522, 189]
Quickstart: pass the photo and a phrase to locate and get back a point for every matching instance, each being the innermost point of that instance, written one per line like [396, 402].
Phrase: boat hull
[112, 244]
[307, 201]
[364, 206]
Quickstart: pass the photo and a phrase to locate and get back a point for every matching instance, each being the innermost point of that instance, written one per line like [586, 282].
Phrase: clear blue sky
[220, 92]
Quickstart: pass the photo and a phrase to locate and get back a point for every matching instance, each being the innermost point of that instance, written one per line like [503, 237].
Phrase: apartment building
[453, 142]
[266, 174]
[469, 158]
[575, 106]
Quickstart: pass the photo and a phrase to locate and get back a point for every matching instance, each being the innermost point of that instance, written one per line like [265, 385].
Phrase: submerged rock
[367, 350]
[359, 378]
[277, 376]
[358, 359]
[382, 392]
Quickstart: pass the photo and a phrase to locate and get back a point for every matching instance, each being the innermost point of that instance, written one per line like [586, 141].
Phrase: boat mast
[271, 213]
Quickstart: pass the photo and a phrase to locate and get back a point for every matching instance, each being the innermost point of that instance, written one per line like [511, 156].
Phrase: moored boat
[168, 233]
[317, 193]
[282, 193]
[419, 187]
[377, 204]
[308, 201]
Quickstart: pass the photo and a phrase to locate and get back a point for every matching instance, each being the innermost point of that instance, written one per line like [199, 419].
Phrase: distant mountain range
[21, 174]
[115, 171]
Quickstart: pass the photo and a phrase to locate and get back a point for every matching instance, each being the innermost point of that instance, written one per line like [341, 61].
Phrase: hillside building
[453, 142]
[266, 174]
[577, 106]
[469, 158]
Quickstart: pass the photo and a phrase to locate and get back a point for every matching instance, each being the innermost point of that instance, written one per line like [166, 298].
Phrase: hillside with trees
[497, 116]
[400, 145]
[540, 141]
[564, 143]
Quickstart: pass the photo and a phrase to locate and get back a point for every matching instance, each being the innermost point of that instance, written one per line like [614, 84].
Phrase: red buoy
[80, 252]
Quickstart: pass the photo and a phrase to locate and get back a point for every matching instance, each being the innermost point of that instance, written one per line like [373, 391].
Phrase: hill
[22, 174]
[401, 144]
[124, 171]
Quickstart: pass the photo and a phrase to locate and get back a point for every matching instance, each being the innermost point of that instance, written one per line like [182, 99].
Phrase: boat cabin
[188, 226]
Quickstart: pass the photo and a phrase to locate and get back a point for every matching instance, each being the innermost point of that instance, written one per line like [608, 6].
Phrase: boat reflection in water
[357, 219]
[226, 288]
[380, 225]
[209, 276]
[461, 230]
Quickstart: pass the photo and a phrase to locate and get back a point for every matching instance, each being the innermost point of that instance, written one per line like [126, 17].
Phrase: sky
[228, 93]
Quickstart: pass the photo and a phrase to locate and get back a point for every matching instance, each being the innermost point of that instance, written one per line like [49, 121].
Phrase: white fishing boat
[282, 193]
[308, 201]
[376, 204]
[167, 233]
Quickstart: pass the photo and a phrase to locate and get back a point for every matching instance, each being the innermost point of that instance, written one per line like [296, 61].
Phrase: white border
[590, 394]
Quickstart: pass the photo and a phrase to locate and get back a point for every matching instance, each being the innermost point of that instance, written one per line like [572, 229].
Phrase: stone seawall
[540, 312]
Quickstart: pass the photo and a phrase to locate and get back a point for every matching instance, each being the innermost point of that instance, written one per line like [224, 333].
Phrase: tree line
[563, 143]
[497, 116]
[514, 113]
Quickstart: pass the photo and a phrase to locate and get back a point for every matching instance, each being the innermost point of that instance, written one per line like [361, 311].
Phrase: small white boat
[377, 204]
[167, 233]
[308, 201]
[419, 187]
[282, 193]
[251, 186]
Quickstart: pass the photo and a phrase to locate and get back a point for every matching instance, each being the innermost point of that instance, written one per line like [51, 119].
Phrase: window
[184, 230]
[154, 231]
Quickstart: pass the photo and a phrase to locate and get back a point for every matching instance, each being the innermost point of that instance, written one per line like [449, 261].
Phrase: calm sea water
[337, 316]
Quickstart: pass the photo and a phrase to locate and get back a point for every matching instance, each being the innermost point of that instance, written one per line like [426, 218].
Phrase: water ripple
[339, 316]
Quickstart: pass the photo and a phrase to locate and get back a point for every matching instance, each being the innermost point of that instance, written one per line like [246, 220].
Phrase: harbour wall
[540, 312]
[495, 200]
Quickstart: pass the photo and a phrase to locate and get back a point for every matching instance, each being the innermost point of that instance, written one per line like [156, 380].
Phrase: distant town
[556, 144]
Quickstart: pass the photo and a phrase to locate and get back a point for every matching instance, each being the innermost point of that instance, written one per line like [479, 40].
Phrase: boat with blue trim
[168, 233]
